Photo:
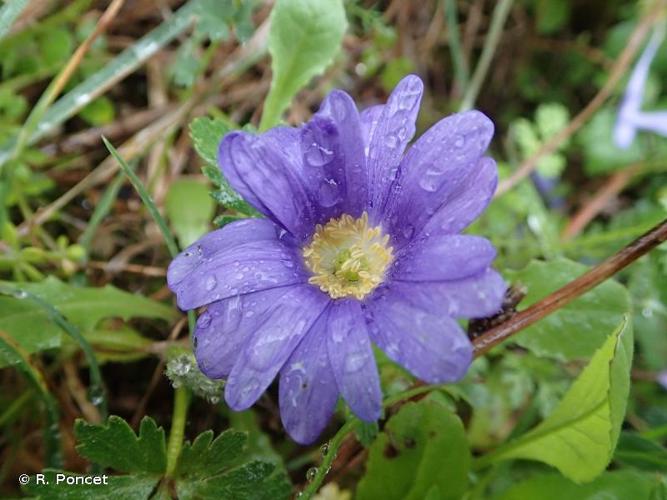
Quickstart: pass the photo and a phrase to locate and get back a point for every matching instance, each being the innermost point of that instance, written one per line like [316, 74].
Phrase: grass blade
[18, 358]
[8, 14]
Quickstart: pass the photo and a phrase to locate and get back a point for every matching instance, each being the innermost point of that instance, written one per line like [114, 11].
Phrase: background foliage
[96, 369]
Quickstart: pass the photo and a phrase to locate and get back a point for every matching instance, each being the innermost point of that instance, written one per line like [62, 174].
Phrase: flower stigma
[347, 257]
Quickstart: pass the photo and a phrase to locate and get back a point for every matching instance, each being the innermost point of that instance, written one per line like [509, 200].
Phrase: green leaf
[189, 208]
[84, 307]
[579, 437]
[422, 450]
[116, 446]
[635, 451]
[552, 15]
[305, 36]
[617, 485]
[134, 487]
[578, 329]
[219, 468]
[206, 134]
[207, 457]
[99, 112]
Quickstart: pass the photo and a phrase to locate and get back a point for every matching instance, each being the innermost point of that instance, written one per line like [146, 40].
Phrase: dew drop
[391, 141]
[328, 193]
[324, 449]
[318, 156]
[210, 283]
[311, 473]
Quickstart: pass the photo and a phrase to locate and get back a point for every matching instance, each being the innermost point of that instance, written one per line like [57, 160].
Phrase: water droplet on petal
[210, 283]
[318, 156]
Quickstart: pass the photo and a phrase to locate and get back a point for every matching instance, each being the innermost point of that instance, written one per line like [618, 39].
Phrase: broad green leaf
[220, 468]
[84, 307]
[116, 446]
[635, 451]
[578, 329]
[648, 286]
[579, 437]
[189, 208]
[422, 451]
[305, 36]
[617, 485]
[134, 487]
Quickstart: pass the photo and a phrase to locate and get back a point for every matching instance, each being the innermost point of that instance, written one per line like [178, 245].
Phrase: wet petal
[432, 347]
[308, 391]
[226, 326]
[436, 170]
[468, 202]
[204, 249]
[267, 170]
[443, 257]
[249, 267]
[336, 129]
[394, 129]
[282, 328]
[370, 117]
[477, 296]
[352, 360]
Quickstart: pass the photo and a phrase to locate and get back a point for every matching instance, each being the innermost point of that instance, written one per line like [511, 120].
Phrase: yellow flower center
[347, 257]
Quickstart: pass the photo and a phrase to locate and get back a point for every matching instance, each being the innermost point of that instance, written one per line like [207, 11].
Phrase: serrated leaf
[422, 447]
[206, 134]
[580, 436]
[207, 457]
[116, 446]
[34, 331]
[249, 481]
[189, 209]
[304, 38]
[578, 329]
[134, 487]
[221, 468]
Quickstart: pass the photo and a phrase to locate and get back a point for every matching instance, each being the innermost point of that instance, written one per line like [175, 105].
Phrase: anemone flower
[361, 245]
[631, 118]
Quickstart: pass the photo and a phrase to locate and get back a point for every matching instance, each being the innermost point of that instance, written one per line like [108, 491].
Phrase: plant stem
[572, 290]
[323, 469]
[500, 13]
[179, 416]
[454, 39]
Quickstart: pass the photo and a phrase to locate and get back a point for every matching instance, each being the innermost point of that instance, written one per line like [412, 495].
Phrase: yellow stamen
[347, 257]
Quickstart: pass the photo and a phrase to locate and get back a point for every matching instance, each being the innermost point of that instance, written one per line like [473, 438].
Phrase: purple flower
[662, 379]
[630, 116]
[360, 245]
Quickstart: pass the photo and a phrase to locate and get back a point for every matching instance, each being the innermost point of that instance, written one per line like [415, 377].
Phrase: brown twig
[618, 70]
[572, 290]
[599, 201]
